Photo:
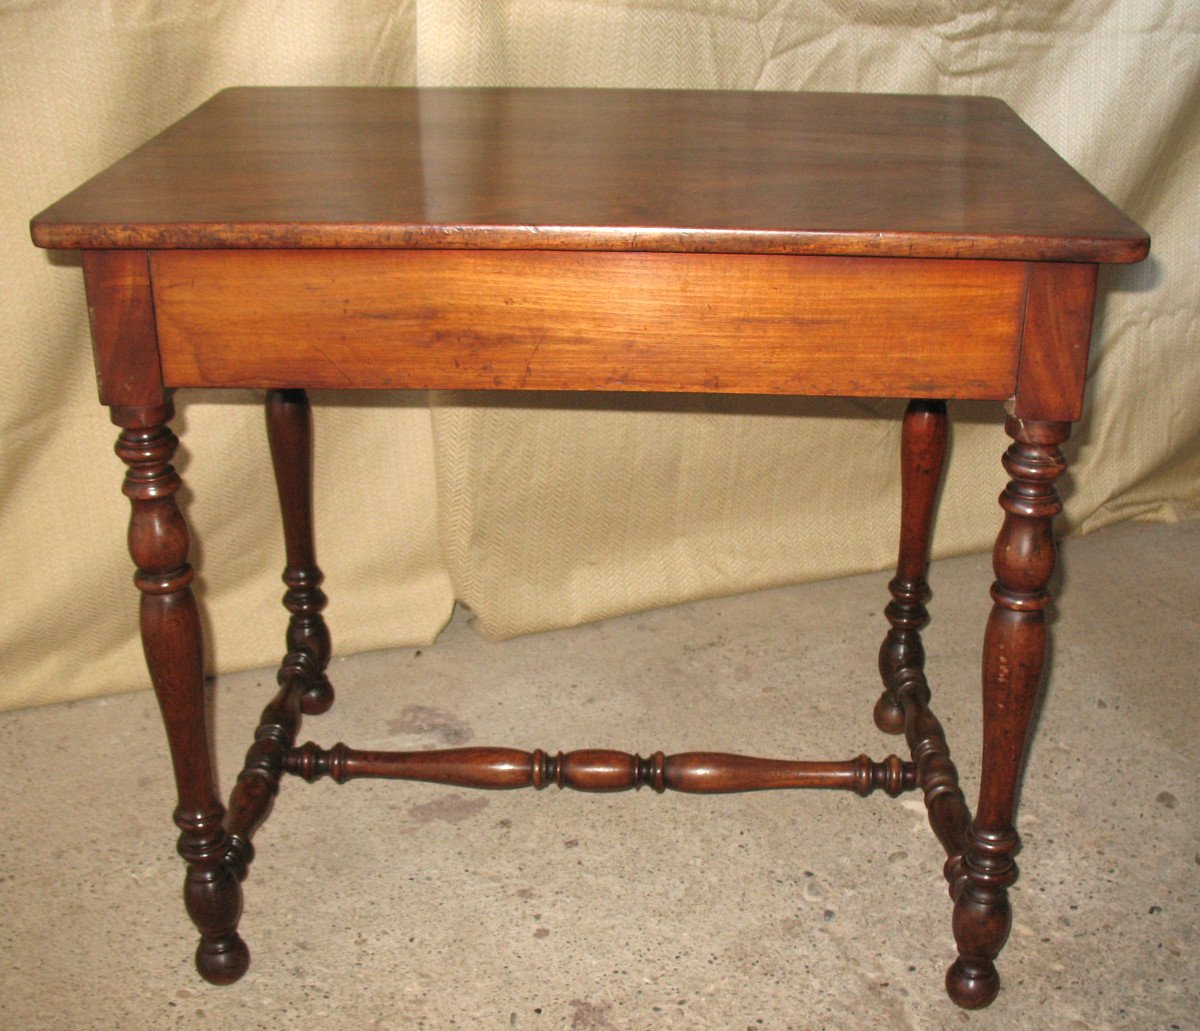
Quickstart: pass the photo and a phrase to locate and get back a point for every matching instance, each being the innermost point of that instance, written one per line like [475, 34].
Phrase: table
[828, 244]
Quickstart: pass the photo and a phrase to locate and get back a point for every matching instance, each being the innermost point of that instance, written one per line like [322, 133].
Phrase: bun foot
[972, 986]
[222, 960]
[889, 716]
[317, 699]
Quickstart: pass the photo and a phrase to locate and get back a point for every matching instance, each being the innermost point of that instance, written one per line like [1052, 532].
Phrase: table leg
[289, 432]
[170, 625]
[1014, 646]
[922, 455]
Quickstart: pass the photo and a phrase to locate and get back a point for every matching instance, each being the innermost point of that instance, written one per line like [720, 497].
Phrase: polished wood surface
[309, 647]
[124, 332]
[170, 627]
[602, 770]
[1056, 338]
[1014, 648]
[923, 436]
[257, 784]
[597, 240]
[903, 707]
[540, 320]
[614, 170]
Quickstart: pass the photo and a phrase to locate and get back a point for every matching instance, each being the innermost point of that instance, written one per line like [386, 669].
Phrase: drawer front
[543, 320]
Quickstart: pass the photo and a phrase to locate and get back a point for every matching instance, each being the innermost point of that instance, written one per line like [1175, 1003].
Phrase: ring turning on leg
[1014, 646]
[922, 455]
[289, 433]
[158, 543]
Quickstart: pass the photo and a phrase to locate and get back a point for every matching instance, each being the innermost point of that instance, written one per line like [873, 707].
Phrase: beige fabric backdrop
[541, 511]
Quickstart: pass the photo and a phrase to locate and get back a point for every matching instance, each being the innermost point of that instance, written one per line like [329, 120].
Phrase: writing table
[521, 239]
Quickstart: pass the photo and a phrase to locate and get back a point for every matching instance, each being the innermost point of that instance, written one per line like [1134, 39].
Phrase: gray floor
[384, 905]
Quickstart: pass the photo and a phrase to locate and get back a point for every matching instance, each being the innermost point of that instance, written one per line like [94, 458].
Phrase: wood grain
[170, 625]
[124, 340]
[542, 320]
[290, 437]
[1014, 649]
[601, 770]
[1055, 341]
[623, 170]
[597, 240]
[923, 437]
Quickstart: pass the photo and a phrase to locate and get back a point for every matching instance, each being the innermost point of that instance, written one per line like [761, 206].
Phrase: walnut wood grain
[613, 170]
[903, 707]
[124, 337]
[257, 784]
[289, 433]
[1013, 651]
[539, 320]
[170, 626]
[937, 776]
[922, 454]
[1055, 339]
[600, 769]
[597, 240]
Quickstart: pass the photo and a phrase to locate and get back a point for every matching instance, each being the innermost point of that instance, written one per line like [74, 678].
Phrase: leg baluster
[289, 432]
[922, 454]
[1014, 645]
[158, 543]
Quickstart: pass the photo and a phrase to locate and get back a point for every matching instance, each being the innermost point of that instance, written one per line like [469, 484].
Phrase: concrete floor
[386, 905]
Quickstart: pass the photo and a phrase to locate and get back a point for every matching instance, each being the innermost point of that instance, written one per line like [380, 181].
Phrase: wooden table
[919, 247]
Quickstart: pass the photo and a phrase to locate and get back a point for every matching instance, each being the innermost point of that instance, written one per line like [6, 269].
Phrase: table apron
[547, 320]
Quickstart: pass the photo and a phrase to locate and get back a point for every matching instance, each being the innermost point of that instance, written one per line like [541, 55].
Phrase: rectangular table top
[598, 169]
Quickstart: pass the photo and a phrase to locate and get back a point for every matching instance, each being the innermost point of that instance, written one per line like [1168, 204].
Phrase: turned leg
[289, 432]
[1014, 645]
[158, 543]
[922, 454]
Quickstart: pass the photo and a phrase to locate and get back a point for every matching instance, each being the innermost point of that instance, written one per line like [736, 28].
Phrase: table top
[598, 169]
